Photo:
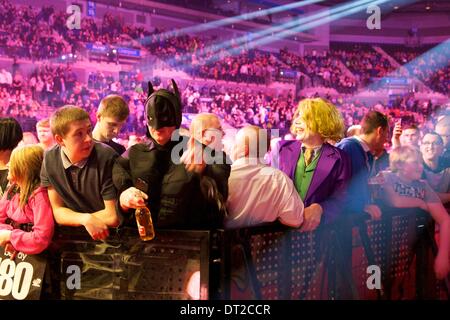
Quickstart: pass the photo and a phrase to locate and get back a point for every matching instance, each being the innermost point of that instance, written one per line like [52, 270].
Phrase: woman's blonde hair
[25, 168]
[320, 116]
[400, 155]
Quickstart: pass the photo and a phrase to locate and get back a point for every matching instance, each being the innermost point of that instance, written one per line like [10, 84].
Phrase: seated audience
[361, 150]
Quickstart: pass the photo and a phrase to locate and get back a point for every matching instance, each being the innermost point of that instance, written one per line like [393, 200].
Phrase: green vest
[303, 176]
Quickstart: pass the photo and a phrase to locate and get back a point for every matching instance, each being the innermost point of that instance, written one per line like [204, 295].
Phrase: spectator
[10, 136]
[353, 130]
[26, 219]
[434, 172]
[404, 189]
[206, 128]
[410, 136]
[319, 170]
[78, 175]
[361, 150]
[44, 134]
[28, 139]
[111, 116]
[259, 193]
[177, 197]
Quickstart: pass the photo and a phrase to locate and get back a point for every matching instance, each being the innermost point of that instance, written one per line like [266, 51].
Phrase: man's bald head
[204, 120]
[443, 129]
[251, 142]
[206, 128]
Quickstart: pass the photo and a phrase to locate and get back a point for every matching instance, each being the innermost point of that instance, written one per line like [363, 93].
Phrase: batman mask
[163, 108]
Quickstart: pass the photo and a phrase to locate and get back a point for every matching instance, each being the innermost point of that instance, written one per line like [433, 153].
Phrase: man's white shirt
[259, 194]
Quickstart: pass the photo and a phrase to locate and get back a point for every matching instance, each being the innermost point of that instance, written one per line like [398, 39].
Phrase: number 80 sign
[21, 278]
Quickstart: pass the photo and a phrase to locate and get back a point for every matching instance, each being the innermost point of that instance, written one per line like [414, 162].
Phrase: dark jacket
[175, 195]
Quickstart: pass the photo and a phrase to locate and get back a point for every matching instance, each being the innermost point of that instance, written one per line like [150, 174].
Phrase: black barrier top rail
[318, 265]
[174, 265]
[270, 261]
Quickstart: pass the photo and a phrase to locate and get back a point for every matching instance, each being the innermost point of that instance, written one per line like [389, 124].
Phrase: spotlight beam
[349, 7]
[317, 21]
[215, 48]
[242, 17]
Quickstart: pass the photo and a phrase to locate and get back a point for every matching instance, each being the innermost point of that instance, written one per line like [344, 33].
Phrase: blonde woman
[403, 188]
[26, 218]
[319, 170]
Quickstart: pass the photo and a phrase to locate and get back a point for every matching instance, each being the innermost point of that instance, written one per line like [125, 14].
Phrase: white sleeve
[290, 206]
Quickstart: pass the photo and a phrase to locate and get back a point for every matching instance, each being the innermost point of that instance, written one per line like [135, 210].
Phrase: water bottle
[145, 224]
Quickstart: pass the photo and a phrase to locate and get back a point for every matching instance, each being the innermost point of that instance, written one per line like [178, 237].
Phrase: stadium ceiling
[421, 6]
[181, 10]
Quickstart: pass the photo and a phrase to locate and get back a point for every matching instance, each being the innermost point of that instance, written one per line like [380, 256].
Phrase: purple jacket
[330, 178]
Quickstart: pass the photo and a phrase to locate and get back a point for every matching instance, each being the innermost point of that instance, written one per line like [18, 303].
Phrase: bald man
[206, 128]
[204, 153]
[259, 193]
[443, 129]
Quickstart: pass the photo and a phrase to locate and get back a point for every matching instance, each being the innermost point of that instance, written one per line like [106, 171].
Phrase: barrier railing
[175, 265]
[340, 261]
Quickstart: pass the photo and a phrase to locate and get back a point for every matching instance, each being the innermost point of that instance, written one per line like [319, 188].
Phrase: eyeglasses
[428, 143]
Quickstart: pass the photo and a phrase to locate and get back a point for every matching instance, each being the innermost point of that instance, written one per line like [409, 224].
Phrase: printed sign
[21, 278]
[91, 8]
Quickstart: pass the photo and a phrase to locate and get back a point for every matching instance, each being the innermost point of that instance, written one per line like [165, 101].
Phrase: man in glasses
[443, 129]
[437, 175]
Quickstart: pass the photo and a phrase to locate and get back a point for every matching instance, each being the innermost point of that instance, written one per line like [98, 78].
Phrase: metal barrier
[274, 262]
[124, 267]
[280, 263]
[265, 262]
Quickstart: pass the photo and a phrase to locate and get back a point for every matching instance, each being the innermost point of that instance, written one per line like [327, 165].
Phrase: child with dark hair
[361, 149]
[10, 136]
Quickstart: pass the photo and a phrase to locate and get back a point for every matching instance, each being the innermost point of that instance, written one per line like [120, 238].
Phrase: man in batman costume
[177, 198]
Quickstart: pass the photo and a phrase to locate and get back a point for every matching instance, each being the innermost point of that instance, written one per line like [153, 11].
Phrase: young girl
[404, 189]
[26, 218]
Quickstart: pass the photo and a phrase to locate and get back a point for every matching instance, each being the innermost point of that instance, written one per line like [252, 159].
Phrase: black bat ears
[175, 88]
[150, 89]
